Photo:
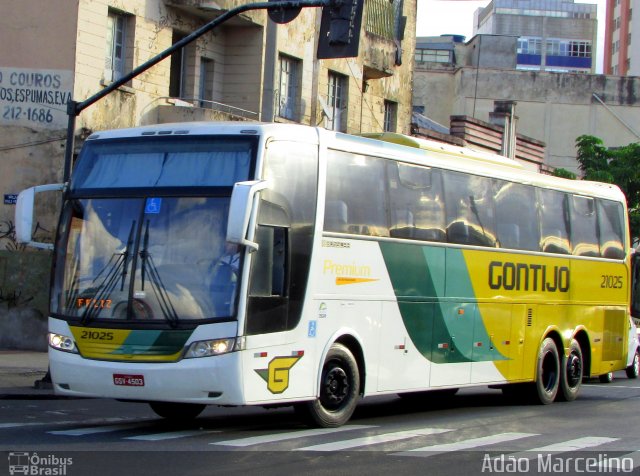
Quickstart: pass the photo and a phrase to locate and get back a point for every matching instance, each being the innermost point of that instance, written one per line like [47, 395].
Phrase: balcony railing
[380, 18]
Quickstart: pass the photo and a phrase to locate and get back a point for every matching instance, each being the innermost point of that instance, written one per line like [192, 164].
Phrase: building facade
[553, 35]
[250, 68]
[555, 108]
[620, 55]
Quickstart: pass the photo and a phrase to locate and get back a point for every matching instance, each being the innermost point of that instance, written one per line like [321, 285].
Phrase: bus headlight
[63, 343]
[207, 348]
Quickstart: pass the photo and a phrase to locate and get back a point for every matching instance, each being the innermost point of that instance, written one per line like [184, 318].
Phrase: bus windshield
[142, 235]
[151, 259]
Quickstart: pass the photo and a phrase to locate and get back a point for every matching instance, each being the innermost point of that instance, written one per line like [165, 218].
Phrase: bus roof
[387, 145]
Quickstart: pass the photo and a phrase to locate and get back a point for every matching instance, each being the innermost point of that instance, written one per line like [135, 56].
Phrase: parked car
[633, 357]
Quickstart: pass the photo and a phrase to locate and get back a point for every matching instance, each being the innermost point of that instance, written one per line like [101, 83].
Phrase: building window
[433, 56]
[337, 102]
[580, 49]
[390, 116]
[288, 87]
[115, 57]
[177, 74]
[529, 46]
[206, 82]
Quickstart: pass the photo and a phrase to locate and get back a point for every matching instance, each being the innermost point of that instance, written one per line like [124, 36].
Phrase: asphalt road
[478, 431]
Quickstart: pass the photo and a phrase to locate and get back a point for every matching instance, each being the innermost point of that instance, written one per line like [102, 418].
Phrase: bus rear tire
[571, 373]
[339, 390]
[177, 411]
[548, 373]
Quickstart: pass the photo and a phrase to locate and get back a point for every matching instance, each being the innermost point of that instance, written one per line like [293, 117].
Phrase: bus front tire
[177, 411]
[571, 373]
[339, 390]
[548, 372]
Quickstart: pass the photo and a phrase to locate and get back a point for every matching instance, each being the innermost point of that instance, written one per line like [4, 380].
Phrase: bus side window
[470, 209]
[269, 267]
[365, 202]
[554, 229]
[584, 233]
[611, 229]
[517, 223]
[415, 196]
[336, 216]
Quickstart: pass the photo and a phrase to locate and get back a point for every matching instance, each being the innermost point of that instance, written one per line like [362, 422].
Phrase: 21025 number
[611, 282]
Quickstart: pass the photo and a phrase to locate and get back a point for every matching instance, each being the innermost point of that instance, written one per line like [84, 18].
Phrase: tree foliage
[620, 166]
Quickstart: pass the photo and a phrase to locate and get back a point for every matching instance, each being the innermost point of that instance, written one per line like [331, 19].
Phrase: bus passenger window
[359, 182]
[584, 233]
[610, 216]
[517, 222]
[415, 195]
[470, 210]
[554, 229]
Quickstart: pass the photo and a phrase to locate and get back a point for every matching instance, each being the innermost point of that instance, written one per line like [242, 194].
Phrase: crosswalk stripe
[96, 429]
[170, 435]
[256, 440]
[574, 445]
[374, 439]
[466, 444]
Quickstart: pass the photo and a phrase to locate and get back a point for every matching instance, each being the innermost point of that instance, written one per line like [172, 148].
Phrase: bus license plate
[128, 380]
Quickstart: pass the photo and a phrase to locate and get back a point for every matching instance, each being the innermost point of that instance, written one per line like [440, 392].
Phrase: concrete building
[620, 55]
[554, 108]
[249, 68]
[553, 35]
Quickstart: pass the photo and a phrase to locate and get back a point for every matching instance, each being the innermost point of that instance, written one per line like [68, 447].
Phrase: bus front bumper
[209, 380]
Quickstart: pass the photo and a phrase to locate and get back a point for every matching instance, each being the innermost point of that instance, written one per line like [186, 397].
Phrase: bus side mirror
[242, 210]
[24, 214]
[635, 285]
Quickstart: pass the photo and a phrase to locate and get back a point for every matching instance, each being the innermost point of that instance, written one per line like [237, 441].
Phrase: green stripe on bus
[153, 342]
[443, 331]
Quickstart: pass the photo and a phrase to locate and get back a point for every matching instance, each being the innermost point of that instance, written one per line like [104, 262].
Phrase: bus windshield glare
[152, 257]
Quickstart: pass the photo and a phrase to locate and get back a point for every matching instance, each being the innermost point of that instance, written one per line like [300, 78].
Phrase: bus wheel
[634, 368]
[572, 371]
[339, 389]
[548, 379]
[177, 411]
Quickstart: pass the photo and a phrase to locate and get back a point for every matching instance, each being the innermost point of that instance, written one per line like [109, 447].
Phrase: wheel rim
[549, 372]
[335, 388]
[636, 363]
[574, 370]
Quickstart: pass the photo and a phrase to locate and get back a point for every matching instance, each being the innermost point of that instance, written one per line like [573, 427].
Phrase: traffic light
[340, 29]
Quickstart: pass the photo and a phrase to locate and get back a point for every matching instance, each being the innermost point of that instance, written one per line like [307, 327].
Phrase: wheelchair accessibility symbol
[153, 205]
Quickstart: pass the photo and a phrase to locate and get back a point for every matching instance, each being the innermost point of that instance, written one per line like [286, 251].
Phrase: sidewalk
[21, 374]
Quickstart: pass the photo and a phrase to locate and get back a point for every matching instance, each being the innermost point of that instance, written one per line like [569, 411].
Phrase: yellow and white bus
[261, 264]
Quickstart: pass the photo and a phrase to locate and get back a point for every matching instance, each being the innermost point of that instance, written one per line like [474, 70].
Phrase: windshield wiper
[115, 268]
[159, 289]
